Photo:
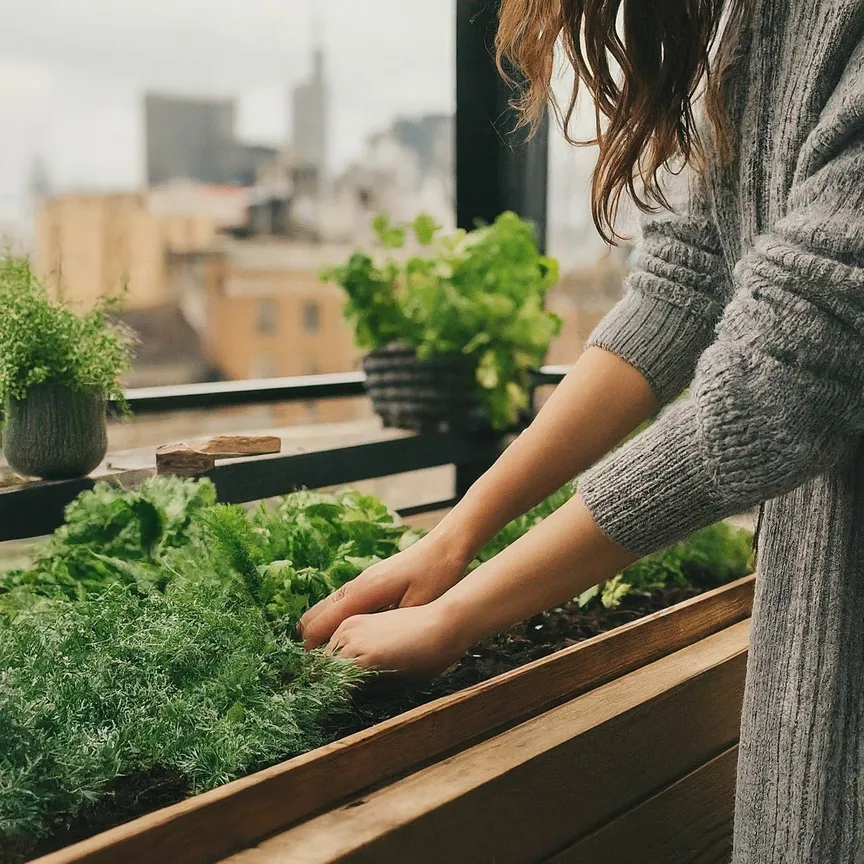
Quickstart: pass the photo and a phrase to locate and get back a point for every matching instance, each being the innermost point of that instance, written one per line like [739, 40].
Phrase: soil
[538, 637]
[531, 640]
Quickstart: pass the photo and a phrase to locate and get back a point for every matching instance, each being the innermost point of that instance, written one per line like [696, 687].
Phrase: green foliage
[107, 530]
[43, 341]
[477, 293]
[296, 552]
[192, 683]
[152, 638]
[709, 559]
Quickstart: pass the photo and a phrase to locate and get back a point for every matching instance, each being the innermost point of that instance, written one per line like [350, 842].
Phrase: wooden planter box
[619, 749]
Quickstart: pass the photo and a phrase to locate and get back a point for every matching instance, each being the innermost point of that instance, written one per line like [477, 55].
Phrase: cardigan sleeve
[675, 295]
[778, 396]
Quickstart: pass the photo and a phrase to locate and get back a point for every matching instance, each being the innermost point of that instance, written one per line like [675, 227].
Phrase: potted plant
[57, 369]
[454, 330]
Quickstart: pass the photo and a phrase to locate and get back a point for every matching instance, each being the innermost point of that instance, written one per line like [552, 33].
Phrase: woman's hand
[555, 561]
[417, 576]
[418, 642]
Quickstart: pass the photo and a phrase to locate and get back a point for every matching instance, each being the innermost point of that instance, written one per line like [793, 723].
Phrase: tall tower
[309, 109]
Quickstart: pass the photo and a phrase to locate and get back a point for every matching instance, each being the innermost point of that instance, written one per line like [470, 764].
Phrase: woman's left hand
[413, 642]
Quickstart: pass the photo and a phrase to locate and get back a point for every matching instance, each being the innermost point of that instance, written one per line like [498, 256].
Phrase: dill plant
[192, 684]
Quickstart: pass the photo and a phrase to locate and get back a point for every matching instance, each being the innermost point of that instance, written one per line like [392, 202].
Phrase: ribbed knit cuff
[662, 340]
[657, 489]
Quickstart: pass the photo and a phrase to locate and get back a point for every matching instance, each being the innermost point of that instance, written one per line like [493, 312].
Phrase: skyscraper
[309, 106]
[190, 139]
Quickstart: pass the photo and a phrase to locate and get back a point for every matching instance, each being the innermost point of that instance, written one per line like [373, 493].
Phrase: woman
[750, 293]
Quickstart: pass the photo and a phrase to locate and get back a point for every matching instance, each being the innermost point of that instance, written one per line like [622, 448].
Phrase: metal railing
[34, 509]
[268, 391]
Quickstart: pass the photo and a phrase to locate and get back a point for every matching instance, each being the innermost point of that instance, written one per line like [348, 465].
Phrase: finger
[359, 597]
[322, 621]
[336, 642]
[321, 606]
[340, 647]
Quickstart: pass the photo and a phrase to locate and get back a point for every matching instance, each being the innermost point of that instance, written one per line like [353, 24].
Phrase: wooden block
[690, 822]
[526, 793]
[182, 461]
[189, 459]
[10, 480]
[237, 446]
[241, 813]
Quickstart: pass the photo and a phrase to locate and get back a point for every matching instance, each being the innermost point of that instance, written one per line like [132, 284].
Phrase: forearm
[560, 558]
[600, 402]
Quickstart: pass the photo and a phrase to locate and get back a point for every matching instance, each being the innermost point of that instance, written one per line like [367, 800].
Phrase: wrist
[454, 544]
[459, 625]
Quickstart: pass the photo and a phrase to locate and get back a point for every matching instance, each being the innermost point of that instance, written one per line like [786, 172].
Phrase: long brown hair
[645, 111]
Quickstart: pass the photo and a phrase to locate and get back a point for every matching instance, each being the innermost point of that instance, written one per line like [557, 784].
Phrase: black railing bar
[431, 507]
[265, 477]
[226, 394]
[187, 397]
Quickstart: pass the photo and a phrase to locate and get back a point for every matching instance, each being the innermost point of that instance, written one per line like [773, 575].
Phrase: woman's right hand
[419, 575]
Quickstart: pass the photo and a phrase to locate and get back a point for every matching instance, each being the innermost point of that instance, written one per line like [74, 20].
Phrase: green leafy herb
[478, 293]
[107, 529]
[43, 341]
[189, 688]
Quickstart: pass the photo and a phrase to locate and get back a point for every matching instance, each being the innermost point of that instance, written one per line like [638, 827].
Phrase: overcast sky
[72, 73]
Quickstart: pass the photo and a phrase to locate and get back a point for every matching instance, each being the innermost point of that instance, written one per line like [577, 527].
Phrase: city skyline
[73, 74]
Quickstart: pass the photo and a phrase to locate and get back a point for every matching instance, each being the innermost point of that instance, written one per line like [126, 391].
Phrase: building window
[311, 316]
[268, 316]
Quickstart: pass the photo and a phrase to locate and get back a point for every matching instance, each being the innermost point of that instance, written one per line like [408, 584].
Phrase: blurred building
[432, 137]
[169, 350]
[309, 110]
[261, 311]
[88, 246]
[250, 159]
[189, 139]
[405, 170]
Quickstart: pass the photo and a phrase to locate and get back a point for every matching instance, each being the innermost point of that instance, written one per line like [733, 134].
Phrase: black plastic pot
[435, 394]
[56, 432]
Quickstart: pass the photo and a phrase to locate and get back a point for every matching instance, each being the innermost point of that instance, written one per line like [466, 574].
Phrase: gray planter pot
[56, 432]
[438, 393]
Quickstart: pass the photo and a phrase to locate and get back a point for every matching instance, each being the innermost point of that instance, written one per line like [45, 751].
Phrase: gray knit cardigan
[753, 295]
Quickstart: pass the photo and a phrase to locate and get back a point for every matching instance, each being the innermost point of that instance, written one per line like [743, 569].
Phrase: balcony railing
[35, 509]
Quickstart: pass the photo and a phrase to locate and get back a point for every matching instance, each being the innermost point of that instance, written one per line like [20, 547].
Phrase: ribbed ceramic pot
[56, 432]
[423, 395]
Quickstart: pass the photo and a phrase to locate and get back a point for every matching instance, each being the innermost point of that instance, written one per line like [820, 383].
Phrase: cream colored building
[93, 245]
